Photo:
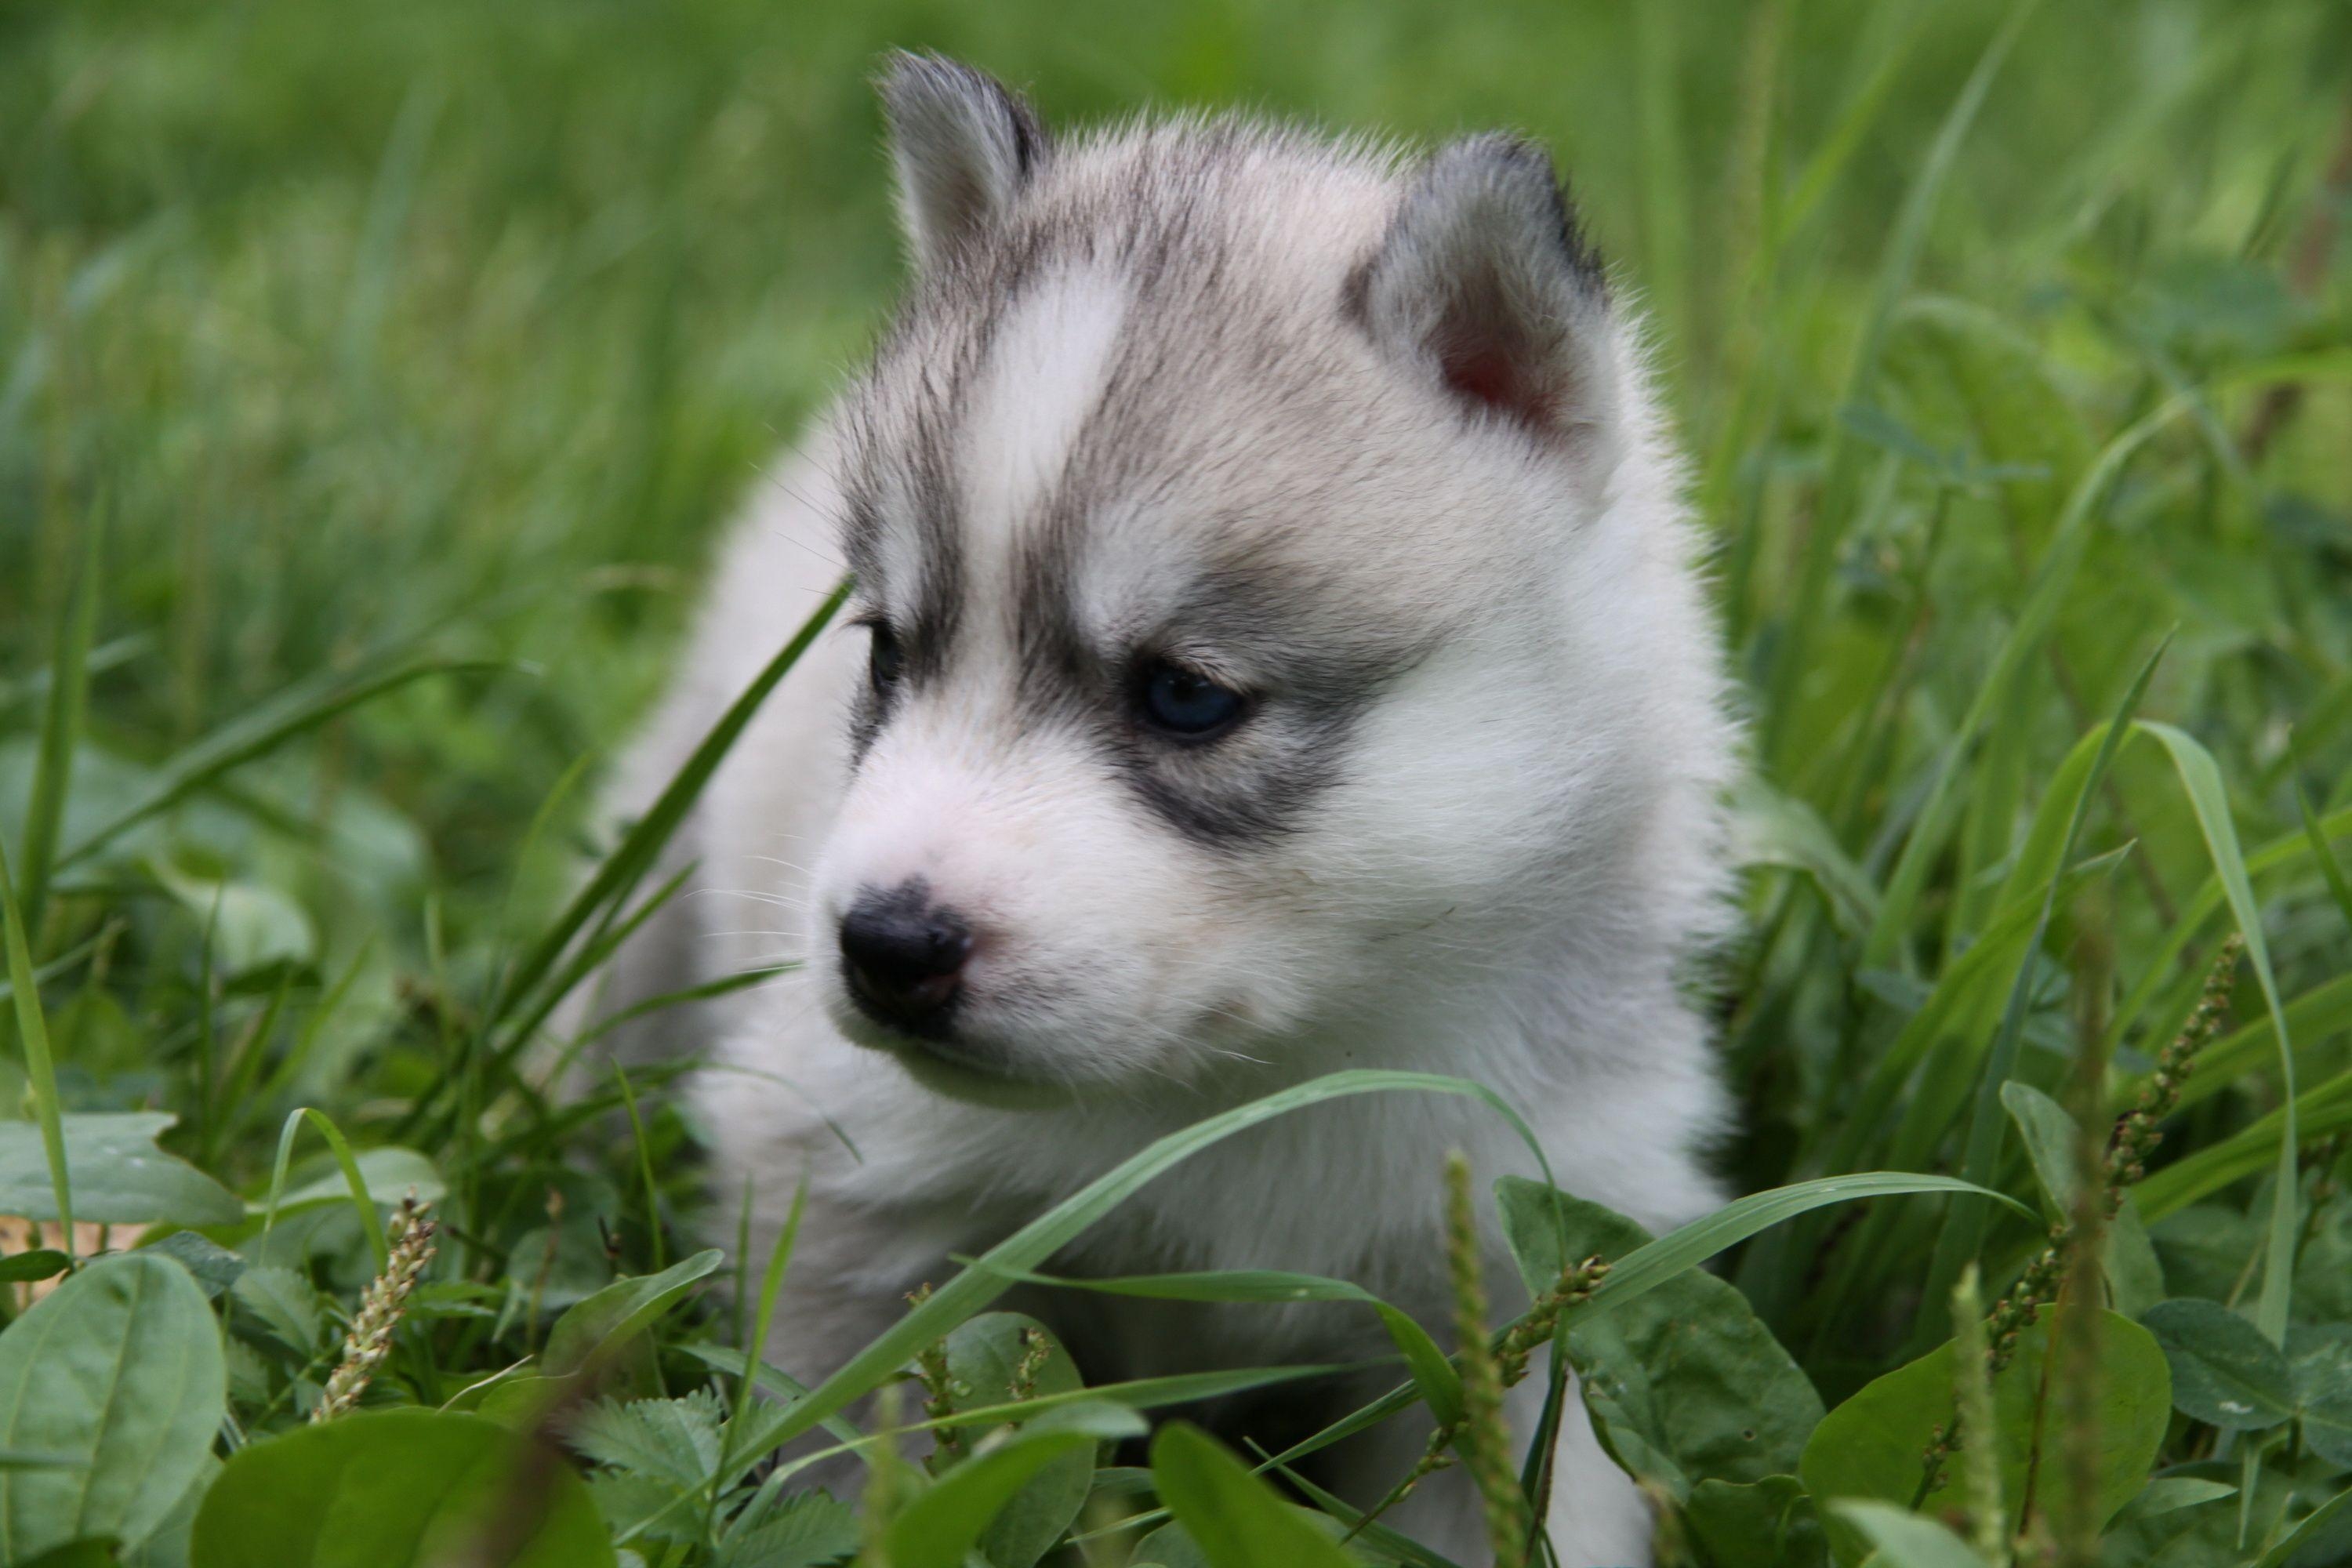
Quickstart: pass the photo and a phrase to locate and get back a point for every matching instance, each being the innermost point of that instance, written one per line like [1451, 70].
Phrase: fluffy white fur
[1511, 847]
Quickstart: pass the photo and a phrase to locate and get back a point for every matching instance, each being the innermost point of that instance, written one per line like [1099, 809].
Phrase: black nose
[902, 955]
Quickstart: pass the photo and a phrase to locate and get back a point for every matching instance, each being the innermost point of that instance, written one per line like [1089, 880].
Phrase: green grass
[373, 381]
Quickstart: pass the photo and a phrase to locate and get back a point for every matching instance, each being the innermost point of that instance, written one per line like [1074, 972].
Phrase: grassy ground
[372, 380]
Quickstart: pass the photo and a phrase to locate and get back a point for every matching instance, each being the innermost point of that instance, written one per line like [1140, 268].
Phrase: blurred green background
[470, 323]
[2007, 342]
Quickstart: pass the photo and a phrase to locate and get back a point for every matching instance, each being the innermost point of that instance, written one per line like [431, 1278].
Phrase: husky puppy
[1275, 649]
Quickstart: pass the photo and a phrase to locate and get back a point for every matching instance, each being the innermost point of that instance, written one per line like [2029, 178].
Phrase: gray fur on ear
[1484, 280]
[964, 144]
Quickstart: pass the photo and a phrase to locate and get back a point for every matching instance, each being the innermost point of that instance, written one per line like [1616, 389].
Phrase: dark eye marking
[885, 658]
[1179, 702]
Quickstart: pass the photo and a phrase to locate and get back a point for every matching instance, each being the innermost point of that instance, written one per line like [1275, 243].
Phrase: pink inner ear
[1488, 373]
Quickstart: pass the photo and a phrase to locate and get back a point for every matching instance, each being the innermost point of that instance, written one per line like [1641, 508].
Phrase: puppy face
[1210, 507]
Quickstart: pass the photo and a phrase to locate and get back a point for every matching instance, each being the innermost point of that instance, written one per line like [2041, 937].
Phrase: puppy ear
[1484, 283]
[964, 146]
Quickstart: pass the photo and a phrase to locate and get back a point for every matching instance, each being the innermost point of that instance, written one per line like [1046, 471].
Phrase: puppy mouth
[928, 1020]
[934, 1054]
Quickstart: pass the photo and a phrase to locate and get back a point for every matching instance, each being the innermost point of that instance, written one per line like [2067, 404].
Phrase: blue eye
[1185, 702]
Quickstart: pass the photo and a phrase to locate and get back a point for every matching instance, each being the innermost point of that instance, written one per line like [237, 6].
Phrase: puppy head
[1249, 630]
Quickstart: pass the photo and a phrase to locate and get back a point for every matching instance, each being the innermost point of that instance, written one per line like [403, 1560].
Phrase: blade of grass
[2319, 1015]
[1898, 265]
[724, 986]
[651, 833]
[645, 1168]
[40, 1071]
[2318, 1113]
[300, 709]
[1441, 1388]
[113, 655]
[973, 1288]
[1965, 1221]
[755, 1348]
[2201, 777]
[2164, 968]
[502, 1063]
[629, 861]
[2070, 539]
[1651, 1265]
[247, 1068]
[369, 1221]
[281, 1078]
[61, 726]
[2323, 853]
[549, 805]
[63, 963]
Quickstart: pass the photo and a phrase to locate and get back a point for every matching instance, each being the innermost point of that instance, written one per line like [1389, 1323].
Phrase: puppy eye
[886, 661]
[1181, 701]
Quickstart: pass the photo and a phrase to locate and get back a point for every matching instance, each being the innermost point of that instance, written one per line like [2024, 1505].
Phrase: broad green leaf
[2224, 1373]
[2320, 1360]
[119, 1370]
[621, 1311]
[642, 1511]
[1141, 1393]
[2206, 1249]
[120, 1176]
[35, 1263]
[951, 1516]
[398, 1488]
[1905, 1540]
[390, 1172]
[1649, 1267]
[215, 1267]
[247, 925]
[1870, 1447]
[1685, 1384]
[1770, 1523]
[1234, 1518]
[2049, 1134]
[285, 1300]
[470, 1397]
[168, 1545]
[671, 1440]
[2135, 1274]
[2318, 1524]
[1170, 1546]
[983, 1356]
[802, 1532]
[2170, 1494]
[1432, 1373]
